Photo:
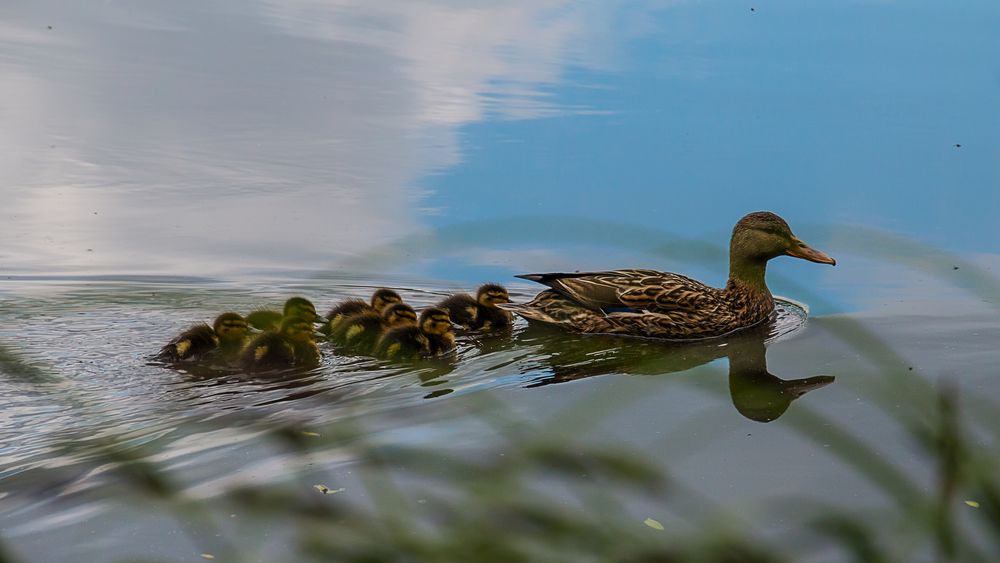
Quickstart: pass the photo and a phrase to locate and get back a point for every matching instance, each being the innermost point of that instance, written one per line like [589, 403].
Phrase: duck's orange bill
[806, 252]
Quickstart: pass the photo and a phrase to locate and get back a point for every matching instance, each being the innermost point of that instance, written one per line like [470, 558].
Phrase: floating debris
[972, 503]
[207, 556]
[311, 434]
[654, 524]
[328, 491]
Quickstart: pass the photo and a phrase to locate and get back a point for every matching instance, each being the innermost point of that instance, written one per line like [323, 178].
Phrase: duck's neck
[747, 275]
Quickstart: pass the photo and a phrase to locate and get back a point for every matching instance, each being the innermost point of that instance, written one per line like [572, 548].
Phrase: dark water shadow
[756, 393]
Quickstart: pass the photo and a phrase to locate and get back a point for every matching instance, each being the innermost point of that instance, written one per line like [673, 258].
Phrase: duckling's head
[383, 297]
[298, 329]
[302, 308]
[760, 236]
[491, 293]
[231, 327]
[435, 320]
[400, 314]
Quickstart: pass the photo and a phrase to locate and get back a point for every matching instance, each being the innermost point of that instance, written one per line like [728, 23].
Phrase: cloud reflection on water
[209, 139]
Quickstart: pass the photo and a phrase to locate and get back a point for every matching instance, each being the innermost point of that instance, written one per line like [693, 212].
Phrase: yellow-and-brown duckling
[656, 304]
[300, 307]
[292, 345]
[480, 312]
[381, 299]
[431, 337]
[224, 339]
[361, 333]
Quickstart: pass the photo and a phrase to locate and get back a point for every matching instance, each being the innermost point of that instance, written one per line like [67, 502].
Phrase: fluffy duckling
[362, 332]
[226, 336]
[343, 311]
[381, 299]
[265, 319]
[436, 324]
[403, 343]
[431, 337]
[292, 345]
[481, 312]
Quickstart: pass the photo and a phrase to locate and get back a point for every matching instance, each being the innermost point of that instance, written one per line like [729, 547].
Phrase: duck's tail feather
[528, 312]
[532, 277]
[547, 279]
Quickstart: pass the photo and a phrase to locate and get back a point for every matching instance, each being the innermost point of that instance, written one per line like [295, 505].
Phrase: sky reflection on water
[236, 137]
[276, 134]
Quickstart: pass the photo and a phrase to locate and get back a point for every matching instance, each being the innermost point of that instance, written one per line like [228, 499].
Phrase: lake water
[163, 162]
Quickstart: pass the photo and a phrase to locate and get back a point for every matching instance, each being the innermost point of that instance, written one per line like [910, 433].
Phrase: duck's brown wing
[553, 308]
[636, 290]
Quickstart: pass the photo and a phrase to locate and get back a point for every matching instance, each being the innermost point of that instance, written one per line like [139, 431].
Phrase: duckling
[481, 312]
[381, 299]
[292, 345]
[463, 310]
[342, 311]
[403, 343]
[436, 324]
[431, 337]
[361, 332]
[226, 336]
[265, 319]
[399, 314]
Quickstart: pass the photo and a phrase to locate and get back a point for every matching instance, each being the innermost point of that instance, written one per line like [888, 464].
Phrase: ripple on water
[91, 345]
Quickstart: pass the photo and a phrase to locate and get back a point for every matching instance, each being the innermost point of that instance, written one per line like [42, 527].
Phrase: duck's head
[231, 327]
[298, 329]
[400, 314]
[302, 308]
[435, 320]
[383, 298]
[490, 294]
[760, 236]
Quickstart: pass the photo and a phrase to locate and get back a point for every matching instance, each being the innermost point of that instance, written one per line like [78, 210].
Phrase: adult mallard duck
[656, 304]
[381, 299]
[300, 307]
[225, 337]
[480, 312]
[292, 345]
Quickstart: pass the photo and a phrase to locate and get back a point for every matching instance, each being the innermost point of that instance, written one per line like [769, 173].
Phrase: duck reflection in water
[756, 393]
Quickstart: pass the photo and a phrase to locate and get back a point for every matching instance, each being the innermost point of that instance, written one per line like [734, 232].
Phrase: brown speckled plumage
[665, 305]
